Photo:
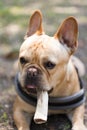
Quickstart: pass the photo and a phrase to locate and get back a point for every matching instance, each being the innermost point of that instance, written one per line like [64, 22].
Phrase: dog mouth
[35, 84]
[32, 85]
[31, 88]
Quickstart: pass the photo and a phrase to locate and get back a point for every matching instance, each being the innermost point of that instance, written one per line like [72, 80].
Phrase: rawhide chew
[41, 108]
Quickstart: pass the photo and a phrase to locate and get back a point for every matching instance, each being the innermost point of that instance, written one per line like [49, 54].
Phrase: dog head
[43, 59]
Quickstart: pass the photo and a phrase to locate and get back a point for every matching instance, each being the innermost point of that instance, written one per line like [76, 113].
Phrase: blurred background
[14, 19]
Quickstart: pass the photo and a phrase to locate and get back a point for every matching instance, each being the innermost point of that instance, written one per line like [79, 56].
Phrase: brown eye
[23, 60]
[49, 65]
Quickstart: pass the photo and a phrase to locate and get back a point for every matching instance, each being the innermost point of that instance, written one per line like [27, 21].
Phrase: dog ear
[35, 24]
[68, 33]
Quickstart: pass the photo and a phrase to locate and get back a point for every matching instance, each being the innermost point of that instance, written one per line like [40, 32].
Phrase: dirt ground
[14, 16]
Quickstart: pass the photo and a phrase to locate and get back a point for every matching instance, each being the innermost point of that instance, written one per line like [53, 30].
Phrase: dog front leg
[20, 119]
[78, 119]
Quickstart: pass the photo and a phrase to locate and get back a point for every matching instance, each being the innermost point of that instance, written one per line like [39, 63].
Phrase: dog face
[43, 59]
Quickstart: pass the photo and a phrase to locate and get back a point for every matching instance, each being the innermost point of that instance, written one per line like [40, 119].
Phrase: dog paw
[79, 127]
[23, 128]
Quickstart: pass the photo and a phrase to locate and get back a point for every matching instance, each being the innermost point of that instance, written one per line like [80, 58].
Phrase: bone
[41, 108]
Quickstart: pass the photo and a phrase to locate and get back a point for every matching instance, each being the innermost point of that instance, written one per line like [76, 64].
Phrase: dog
[45, 63]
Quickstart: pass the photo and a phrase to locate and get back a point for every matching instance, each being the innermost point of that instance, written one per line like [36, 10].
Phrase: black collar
[55, 103]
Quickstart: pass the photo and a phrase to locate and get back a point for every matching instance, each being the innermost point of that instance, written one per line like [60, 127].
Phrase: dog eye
[23, 60]
[49, 65]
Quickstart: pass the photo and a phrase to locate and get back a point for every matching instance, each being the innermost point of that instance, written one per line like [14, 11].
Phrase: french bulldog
[45, 63]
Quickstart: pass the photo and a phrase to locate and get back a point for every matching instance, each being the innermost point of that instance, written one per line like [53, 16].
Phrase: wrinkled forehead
[42, 45]
[36, 42]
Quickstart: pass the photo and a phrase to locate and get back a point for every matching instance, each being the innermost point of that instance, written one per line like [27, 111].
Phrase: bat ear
[35, 24]
[68, 33]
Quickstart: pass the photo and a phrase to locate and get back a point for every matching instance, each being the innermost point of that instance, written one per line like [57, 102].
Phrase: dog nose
[32, 72]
